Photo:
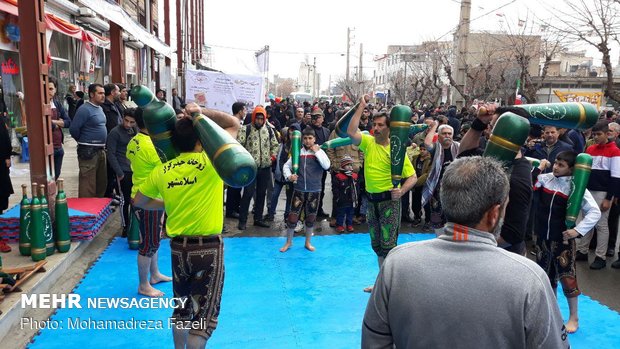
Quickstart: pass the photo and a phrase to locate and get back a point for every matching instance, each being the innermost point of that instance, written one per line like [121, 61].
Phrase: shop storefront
[10, 67]
[131, 66]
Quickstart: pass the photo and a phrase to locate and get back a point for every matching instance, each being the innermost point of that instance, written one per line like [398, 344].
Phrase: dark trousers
[123, 188]
[416, 205]
[323, 191]
[405, 201]
[345, 216]
[233, 199]
[109, 189]
[59, 153]
[263, 177]
[614, 213]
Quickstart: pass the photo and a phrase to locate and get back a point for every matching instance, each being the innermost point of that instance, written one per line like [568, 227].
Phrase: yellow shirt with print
[378, 167]
[193, 195]
[143, 157]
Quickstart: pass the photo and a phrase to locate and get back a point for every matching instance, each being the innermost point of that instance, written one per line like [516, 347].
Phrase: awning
[60, 25]
[9, 6]
[115, 13]
[75, 31]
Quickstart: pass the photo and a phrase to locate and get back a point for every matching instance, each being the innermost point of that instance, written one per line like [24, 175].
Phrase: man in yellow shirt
[192, 194]
[384, 204]
[143, 159]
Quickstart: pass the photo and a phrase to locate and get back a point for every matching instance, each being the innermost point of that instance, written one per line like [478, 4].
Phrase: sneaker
[332, 222]
[599, 263]
[241, 226]
[616, 264]
[581, 256]
[350, 228]
[4, 247]
[299, 227]
[340, 229]
[610, 252]
[268, 218]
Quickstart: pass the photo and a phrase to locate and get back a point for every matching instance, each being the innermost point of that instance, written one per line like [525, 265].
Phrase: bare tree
[283, 87]
[595, 22]
[354, 87]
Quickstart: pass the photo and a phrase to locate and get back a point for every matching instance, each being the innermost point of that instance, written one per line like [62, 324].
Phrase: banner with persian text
[219, 91]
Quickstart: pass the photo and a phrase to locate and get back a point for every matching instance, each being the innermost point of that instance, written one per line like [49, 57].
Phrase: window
[11, 83]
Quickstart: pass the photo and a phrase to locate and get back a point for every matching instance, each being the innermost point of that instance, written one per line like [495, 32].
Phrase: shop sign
[10, 68]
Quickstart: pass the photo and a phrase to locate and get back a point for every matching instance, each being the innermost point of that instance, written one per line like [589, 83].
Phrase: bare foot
[368, 289]
[150, 291]
[572, 325]
[155, 279]
[286, 247]
[309, 247]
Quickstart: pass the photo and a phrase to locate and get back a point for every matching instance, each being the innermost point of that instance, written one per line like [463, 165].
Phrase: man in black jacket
[113, 118]
[512, 235]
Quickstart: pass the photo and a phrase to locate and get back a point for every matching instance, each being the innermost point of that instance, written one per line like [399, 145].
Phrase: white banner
[219, 91]
[262, 60]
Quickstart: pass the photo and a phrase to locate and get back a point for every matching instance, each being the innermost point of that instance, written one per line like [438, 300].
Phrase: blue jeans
[277, 189]
[344, 214]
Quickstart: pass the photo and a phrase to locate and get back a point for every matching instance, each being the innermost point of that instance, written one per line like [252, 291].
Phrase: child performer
[307, 186]
[555, 245]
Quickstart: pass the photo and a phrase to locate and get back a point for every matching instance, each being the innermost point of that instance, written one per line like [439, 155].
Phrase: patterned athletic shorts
[384, 224]
[198, 275]
[150, 231]
[558, 261]
[300, 200]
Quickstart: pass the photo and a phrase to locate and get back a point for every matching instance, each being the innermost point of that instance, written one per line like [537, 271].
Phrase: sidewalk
[20, 173]
[63, 270]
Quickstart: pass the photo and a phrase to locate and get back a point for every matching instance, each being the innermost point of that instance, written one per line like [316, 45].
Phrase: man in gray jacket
[461, 290]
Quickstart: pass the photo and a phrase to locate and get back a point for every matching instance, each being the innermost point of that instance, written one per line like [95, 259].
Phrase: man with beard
[260, 140]
[474, 193]
[550, 148]
[384, 204]
[443, 152]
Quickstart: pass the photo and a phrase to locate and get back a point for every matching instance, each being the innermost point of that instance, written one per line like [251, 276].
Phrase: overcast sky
[300, 30]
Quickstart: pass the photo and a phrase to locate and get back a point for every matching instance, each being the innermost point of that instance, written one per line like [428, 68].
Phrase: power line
[279, 52]
[471, 20]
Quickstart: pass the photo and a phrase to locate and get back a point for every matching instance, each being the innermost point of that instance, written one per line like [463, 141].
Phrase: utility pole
[348, 49]
[462, 49]
[360, 75]
[314, 89]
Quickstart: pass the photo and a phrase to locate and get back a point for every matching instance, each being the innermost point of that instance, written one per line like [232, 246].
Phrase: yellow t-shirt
[378, 167]
[143, 157]
[193, 195]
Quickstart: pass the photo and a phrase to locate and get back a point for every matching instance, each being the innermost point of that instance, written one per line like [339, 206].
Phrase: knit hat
[259, 110]
[346, 160]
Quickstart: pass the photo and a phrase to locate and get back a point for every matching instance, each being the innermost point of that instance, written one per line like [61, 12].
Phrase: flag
[262, 60]
[518, 87]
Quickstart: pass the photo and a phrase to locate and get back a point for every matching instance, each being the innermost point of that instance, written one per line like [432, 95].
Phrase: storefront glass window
[60, 50]
[11, 84]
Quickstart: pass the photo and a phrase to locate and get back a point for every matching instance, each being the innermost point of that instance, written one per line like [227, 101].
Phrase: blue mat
[287, 300]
